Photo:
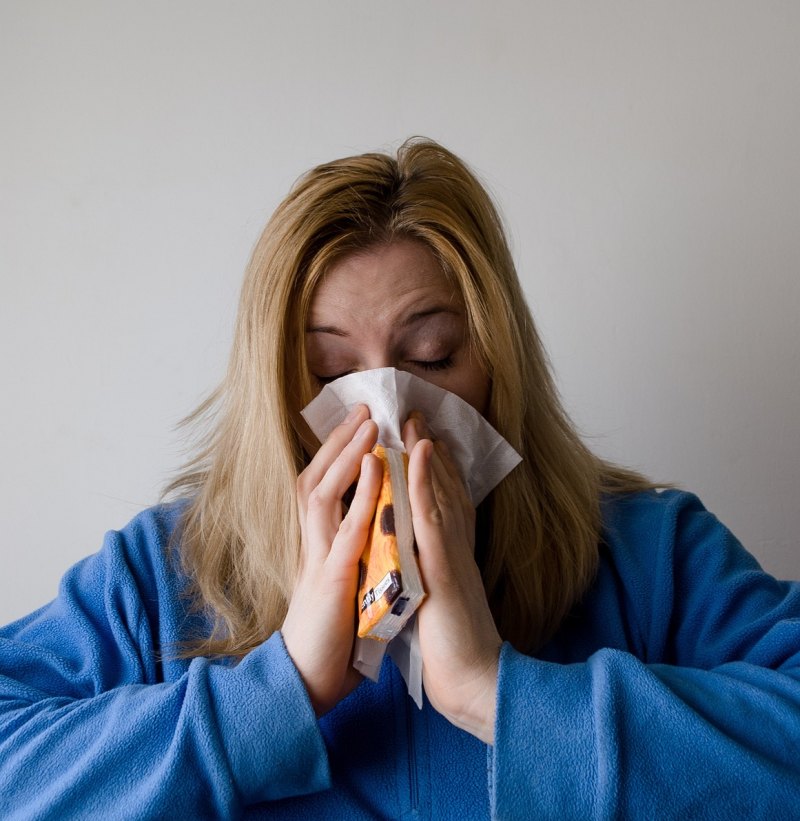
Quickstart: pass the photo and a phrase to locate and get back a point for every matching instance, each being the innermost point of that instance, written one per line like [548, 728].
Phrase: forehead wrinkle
[351, 306]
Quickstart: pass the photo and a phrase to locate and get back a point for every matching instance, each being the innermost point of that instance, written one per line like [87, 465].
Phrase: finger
[414, 429]
[351, 538]
[339, 437]
[420, 483]
[345, 468]
[454, 516]
[427, 518]
[422, 425]
[448, 468]
[409, 434]
[443, 452]
[324, 504]
[450, 513]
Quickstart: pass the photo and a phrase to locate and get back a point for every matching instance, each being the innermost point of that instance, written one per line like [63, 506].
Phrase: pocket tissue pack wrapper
[481, 455]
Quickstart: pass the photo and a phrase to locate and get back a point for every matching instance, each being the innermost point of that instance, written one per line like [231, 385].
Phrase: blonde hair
[240, 534]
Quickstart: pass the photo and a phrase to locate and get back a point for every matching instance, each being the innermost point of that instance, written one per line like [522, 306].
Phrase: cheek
[479, 397]
[473, 387]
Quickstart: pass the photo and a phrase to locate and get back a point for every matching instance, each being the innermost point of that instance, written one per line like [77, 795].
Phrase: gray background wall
[644, 155]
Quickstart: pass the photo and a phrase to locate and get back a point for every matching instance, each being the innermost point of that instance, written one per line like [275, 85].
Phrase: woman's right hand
[319, 628]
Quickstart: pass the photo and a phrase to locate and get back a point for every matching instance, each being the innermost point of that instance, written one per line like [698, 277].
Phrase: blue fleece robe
[672, 691]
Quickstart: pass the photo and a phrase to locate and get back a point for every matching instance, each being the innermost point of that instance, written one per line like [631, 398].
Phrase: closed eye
[425, 365]
[327, 379]
[436, 364]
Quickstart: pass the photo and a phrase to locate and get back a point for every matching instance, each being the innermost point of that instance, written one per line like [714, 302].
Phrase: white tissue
[478, 450]
[480, 453]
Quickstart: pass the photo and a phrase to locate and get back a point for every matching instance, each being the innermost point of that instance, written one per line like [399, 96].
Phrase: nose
[377, 358]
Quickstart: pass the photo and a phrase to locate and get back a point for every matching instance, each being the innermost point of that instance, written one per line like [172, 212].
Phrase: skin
[392, 306]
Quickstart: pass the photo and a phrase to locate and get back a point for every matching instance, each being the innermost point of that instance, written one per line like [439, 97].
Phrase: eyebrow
[409, 320]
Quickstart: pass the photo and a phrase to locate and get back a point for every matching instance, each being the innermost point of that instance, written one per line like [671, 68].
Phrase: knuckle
[317, 500]
[445, 506]
[432, 515]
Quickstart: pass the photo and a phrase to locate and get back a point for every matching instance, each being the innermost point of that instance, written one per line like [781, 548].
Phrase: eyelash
[436, 365]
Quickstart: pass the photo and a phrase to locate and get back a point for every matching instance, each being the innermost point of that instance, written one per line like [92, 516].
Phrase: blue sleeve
[701, 721]
[89, 721]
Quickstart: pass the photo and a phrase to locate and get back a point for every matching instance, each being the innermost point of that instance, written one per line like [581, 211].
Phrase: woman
[591, 647]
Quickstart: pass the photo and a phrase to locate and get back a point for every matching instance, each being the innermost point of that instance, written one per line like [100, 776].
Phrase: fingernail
[354, 413]
[363, 429]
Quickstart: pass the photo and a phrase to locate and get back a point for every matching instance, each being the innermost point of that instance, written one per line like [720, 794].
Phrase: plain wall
[644, 156]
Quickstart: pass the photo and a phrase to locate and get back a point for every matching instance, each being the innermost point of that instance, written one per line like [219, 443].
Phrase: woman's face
[392, 306]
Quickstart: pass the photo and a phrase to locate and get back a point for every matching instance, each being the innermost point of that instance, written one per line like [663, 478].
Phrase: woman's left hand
[459, 642]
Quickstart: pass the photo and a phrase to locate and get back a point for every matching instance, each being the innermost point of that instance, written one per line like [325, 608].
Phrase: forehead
[401, 276]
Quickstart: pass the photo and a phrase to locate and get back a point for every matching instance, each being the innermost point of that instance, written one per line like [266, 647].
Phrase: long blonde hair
[240, 534]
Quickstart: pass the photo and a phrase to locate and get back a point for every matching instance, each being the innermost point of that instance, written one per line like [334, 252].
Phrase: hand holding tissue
[389, 575]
